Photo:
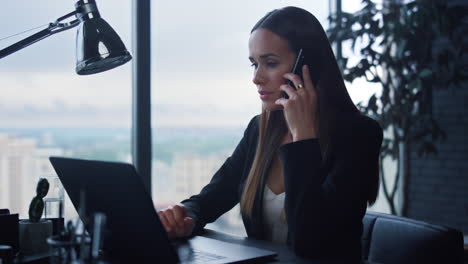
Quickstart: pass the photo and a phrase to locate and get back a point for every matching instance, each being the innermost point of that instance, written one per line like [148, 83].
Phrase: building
[22, 163]
[187, 174]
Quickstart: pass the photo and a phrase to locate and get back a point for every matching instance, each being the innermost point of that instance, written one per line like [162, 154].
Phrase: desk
[285, 255]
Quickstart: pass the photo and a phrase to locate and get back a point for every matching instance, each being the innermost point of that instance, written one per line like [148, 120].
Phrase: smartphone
[297, 69]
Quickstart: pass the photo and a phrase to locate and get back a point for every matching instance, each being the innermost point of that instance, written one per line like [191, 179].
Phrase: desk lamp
[98, 47]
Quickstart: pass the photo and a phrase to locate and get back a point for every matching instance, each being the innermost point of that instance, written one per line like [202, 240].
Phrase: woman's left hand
[301, 108]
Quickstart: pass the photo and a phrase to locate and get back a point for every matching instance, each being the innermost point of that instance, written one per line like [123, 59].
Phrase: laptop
[135, 233]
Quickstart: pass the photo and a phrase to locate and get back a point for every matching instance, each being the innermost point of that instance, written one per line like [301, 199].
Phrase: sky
[201, 75]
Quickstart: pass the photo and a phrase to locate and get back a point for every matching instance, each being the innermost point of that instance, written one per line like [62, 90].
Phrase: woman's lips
[265, 95]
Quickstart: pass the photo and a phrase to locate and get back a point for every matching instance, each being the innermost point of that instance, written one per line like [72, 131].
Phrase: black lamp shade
[98, 47]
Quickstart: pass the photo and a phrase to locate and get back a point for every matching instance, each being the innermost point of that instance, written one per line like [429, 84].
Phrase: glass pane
[360, 91]
[47, 109]
[203, 96]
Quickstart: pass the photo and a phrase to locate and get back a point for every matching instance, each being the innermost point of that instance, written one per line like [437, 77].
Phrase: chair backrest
[394, 239]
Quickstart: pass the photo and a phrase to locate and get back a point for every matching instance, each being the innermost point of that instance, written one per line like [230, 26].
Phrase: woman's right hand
[176, 221]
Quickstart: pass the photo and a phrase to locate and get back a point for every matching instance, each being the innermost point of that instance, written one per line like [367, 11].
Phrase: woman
[307, 167]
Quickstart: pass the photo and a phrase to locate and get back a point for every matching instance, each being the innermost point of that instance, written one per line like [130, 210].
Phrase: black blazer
[324, 203]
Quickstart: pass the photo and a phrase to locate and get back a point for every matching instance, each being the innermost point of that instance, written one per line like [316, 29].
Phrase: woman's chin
[271, 106]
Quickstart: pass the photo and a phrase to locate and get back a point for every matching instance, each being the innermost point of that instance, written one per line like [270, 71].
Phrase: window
[203, 96]
[360, 91]
[47, 109]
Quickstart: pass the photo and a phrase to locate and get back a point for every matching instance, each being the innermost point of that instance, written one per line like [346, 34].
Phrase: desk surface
[285, 255]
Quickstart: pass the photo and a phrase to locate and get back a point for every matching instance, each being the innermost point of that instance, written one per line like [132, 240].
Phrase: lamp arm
[53, 28]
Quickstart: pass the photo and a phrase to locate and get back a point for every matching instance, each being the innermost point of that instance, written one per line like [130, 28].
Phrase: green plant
[409, 48]
[37, 204]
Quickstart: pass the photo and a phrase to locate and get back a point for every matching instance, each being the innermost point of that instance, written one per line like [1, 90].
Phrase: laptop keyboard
[201, 257]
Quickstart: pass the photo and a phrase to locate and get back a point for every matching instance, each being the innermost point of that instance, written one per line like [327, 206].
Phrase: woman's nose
[258, 77]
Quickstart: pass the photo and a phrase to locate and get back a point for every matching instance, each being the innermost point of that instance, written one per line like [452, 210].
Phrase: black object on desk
[9, 234]
[4, 211]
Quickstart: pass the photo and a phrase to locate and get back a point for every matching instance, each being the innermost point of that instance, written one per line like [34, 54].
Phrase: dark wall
[438, 186]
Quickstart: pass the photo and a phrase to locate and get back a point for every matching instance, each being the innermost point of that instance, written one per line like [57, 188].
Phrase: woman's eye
[272, 64]
[254, 65]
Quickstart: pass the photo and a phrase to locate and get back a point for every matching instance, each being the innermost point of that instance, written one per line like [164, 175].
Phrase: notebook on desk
[135, 231]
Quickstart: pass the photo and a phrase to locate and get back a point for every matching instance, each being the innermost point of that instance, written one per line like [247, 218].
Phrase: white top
[276, 228]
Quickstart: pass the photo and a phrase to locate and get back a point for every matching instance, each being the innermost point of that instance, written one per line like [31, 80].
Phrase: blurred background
[202, 99]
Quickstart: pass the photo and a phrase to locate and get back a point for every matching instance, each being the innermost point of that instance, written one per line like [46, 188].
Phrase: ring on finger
[299, 86]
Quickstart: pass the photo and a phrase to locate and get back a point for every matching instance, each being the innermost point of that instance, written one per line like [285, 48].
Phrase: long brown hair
[272, 129]
[302, 30]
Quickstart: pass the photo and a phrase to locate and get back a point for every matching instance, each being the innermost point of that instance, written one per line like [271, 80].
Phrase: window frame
[141, 90]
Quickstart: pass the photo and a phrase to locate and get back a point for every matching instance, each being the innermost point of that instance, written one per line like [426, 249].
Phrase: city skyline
[24, 159]
[184, 160]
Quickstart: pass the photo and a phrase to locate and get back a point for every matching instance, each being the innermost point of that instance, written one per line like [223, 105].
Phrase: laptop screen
[115, 189]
